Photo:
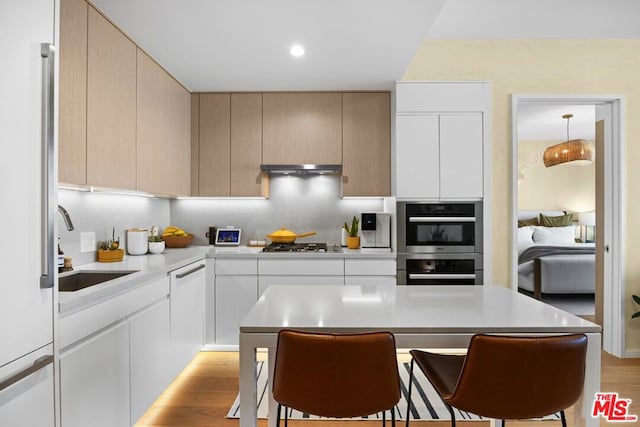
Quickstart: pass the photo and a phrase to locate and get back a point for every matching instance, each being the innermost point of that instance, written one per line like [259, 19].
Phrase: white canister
[137, 241]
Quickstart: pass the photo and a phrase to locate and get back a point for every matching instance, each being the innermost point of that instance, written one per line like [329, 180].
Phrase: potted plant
[636, 298]
[156, 244]
[353, 240]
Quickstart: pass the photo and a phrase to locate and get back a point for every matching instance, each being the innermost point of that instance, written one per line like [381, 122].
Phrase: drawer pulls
[37, 365]
[193, 270]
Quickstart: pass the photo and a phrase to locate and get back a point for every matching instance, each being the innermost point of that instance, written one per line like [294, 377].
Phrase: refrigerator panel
[26, 387]
[26, 310]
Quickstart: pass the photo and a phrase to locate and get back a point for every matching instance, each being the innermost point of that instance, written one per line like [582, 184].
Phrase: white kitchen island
[418, 316]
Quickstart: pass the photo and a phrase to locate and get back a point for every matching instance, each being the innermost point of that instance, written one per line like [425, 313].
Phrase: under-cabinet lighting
[103, 190]
[220, 198]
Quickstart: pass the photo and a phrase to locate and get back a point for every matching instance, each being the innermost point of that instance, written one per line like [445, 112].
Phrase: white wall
[566, 187]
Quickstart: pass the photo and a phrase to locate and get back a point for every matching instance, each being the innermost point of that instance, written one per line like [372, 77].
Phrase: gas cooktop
[299, 247]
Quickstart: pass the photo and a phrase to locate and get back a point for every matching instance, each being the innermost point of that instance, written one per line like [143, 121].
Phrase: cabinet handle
[442, 219]
[193, 270]
[37, 365]
[441, 276]
[47, 51]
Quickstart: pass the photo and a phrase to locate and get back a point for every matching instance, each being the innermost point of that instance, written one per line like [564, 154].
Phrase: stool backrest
[521, 377]
[336, 375]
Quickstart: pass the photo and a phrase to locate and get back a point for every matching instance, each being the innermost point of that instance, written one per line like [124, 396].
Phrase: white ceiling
[242, 45]
[537, 122]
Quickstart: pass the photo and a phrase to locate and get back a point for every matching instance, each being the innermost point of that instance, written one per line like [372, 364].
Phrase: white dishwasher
[187, 312]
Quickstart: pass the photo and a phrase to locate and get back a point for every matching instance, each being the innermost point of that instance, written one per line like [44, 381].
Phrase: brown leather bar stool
[336, 375]
[505, 377]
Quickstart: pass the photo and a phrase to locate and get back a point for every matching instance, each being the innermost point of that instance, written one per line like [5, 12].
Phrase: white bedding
[561, 273]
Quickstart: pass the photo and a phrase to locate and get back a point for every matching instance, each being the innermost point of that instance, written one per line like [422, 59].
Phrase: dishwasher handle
[193, 270]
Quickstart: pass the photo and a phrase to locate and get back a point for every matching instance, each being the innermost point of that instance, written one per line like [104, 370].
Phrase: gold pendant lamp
[579, 151]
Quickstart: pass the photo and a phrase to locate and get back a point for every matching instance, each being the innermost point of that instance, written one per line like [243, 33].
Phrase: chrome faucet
[66, 218]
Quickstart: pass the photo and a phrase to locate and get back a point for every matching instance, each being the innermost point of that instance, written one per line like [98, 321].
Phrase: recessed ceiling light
[296, 50]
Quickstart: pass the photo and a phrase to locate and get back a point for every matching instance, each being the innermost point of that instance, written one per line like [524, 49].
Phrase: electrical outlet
[87, 242]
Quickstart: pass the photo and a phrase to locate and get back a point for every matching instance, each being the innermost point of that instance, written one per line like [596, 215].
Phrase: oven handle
[452, 276]
[442, 219]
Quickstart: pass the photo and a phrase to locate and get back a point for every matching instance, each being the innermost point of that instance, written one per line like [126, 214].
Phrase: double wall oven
[439, 243]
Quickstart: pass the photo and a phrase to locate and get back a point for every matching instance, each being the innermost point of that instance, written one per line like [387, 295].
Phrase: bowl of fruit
[175, 237]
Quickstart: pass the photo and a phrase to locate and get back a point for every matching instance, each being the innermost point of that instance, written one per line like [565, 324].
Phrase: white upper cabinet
[440, 140]
[417, 156]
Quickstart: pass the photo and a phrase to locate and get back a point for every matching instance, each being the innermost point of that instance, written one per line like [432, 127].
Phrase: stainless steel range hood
[305, 169]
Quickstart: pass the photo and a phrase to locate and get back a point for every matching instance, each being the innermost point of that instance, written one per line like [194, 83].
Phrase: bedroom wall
[565, 187]
[546, 66]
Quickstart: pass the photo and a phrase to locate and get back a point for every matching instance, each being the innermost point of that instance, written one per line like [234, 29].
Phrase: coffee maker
[375, 230]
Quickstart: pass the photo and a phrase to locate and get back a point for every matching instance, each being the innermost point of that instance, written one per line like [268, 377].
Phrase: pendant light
[579, 151]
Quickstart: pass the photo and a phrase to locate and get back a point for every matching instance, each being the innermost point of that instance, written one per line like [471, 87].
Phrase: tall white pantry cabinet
[440, 137]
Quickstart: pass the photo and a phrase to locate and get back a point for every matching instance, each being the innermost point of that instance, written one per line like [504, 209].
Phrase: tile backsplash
[300, 204]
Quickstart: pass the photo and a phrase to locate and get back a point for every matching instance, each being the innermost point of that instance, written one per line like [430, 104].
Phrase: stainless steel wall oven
[440, 243]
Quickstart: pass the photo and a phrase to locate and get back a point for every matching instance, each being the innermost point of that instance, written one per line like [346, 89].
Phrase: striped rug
[425, 403]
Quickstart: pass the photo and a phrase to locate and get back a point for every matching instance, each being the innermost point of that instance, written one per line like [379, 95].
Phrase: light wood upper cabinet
[178, 122]
[72, 148]
[366, 144]
[151, 140]
[302, 128]
[214, 164]
[246, 144]
[163, 131]
[111, 106]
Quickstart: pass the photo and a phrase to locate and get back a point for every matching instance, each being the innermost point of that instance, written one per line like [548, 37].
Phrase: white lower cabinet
[118, 356]
[94, 380]
[265, 281]
[363, 272]
[236, 291]
[235, 295]
[187, 313]
[150, 356]
[239, 282]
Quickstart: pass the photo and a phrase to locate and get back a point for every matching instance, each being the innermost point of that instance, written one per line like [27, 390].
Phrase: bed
[549, 259]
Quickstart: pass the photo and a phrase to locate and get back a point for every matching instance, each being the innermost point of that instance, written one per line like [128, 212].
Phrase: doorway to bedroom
[557, 205]
[566, 206]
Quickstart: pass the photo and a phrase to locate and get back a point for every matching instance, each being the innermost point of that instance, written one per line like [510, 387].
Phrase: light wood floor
[203, 393]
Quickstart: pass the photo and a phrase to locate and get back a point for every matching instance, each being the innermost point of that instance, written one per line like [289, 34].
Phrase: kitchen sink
[84, 279]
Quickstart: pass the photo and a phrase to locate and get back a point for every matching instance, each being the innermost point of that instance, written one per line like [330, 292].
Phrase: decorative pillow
[554, 235]
[527, 222]
[556, 221]
[525, 236]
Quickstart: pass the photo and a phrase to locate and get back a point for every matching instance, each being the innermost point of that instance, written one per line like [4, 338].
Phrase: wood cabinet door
[417, 156]
[163, 131]
[178, 134]
[246, 144]
[366, 144]
[214, 165]
[111, 105]
[461, 155]
[302, 128]
[72, 120]
[152, 159]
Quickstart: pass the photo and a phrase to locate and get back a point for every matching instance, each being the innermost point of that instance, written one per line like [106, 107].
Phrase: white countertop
[146, 267]
[408, 309]
[251, 252]
[154, 266]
